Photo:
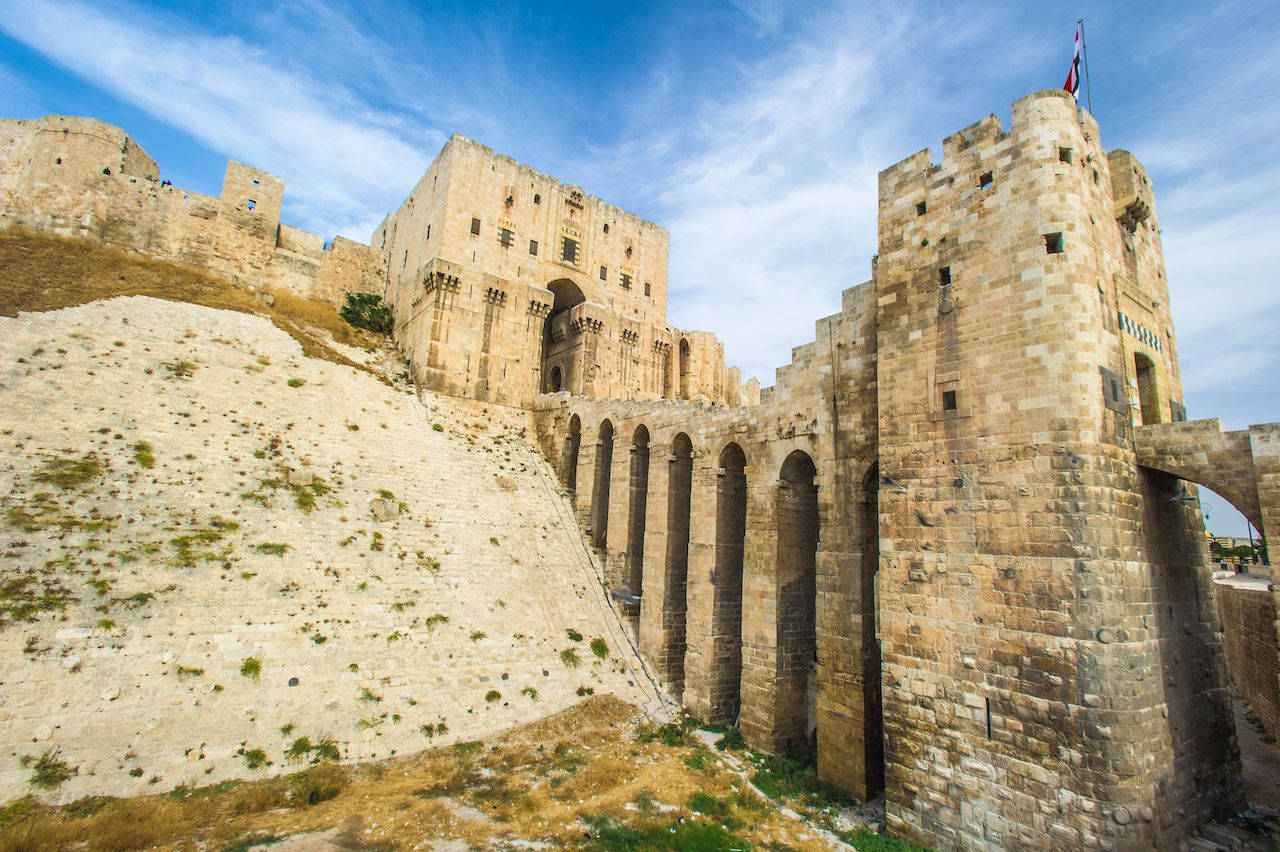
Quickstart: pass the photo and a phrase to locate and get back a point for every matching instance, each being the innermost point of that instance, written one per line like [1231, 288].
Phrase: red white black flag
[1073, 76]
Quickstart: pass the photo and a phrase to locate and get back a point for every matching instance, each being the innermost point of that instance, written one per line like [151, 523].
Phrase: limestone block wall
[1037, 588]
[749, 535]
[1249, 635]
[520, 250]
[82, 177]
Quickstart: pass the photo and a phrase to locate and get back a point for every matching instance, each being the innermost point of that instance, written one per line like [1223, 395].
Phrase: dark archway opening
[639, 498]
[676, 606]
[872, 699]
[569, 459]
[557, 344]
[796, 514]
[684, 368]
[726, 582]
[600, 492]
[1148, 401]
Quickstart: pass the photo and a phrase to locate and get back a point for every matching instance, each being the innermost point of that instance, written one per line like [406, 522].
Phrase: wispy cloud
[334, 151]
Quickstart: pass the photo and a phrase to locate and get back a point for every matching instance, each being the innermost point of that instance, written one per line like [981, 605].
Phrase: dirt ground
[599, 775]
[1261, 759]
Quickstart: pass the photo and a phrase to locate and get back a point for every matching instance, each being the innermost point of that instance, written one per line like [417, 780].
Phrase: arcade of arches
[750, 594]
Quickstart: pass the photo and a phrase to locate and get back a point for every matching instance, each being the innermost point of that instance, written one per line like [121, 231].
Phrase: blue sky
[752, 130]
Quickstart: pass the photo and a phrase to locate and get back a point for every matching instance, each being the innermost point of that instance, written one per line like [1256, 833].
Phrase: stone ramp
[312, 554]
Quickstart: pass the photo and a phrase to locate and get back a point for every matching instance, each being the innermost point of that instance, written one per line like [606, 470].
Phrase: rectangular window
[533, 247]
[604, 273]
[944, 276]
[985, 181]
[1177, 412]
[1111, 388]
[626, 282]
[475, 227]
[506, 237]
[1053, 243]
[570, 250]
[646, 288]
[921, 208]
[1065, 155]
[949, 400]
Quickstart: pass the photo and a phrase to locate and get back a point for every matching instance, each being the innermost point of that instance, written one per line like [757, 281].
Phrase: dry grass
[43, 272]
[537, 782]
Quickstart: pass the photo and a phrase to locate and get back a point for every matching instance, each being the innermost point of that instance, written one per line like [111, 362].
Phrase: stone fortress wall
[507, 282]
[83, 177]
[949, 548]
[939, 550]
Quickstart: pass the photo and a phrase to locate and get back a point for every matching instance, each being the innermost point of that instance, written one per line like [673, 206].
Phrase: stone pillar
[653, 599]
[850, 724]
[760, 720]
[700, 656]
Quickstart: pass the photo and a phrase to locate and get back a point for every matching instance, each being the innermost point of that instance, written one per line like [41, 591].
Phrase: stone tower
[1050, 662]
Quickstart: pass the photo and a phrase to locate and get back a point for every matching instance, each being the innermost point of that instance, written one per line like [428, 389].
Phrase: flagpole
[1084, 54]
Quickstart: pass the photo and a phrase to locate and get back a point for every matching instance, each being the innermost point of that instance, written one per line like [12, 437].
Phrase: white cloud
[335, 153]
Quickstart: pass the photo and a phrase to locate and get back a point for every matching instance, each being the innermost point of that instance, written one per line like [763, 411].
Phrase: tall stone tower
[1038, 589]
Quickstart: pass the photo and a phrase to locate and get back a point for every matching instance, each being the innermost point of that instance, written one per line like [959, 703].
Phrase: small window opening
[1095, 175]
[985, 181]
[921, 208]
[255, 183]
[428, 231]
[533, 247]
[646, 288]
[58, 162]
[949, 400]
[252, 204]
[506, 237]
[1066, 155]
[606, 227]
[604, 273]
[537, 199]
[475, 226]
[569, 251]
[106, 171]
[1053, 243]
[944, 276]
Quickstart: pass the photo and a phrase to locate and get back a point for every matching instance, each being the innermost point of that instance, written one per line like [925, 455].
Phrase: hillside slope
[215, 546]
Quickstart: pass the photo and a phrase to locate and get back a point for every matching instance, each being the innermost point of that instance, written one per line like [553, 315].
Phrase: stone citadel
[949, 549]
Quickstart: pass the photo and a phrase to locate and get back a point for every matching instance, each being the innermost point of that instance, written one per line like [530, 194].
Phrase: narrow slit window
[985, 181]
[533, 247]
[428, 231]
[921, 208]
[944, 276]
[1053, 243]
[606, 227]
[475, 226]
[949, 400]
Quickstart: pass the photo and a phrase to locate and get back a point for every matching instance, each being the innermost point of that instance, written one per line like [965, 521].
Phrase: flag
[1073, 76]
